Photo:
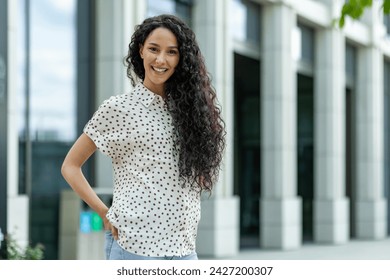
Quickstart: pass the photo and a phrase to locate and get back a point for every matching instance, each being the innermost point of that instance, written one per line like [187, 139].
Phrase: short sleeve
[101, 130]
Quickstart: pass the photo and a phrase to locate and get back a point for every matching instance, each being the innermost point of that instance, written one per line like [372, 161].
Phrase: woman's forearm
[80, 152]
[75, 178]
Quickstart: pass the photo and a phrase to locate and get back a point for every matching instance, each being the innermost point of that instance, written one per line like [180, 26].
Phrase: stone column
[370, 202]
[371, 206]
[331, 207]
[115, 26]
[218, 234]
[17, 205]
[280, 207]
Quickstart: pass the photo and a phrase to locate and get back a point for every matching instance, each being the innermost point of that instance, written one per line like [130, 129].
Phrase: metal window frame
[3, 114]
[86, 71]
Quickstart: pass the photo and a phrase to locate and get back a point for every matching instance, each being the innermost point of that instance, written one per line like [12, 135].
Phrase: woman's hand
[110, 227]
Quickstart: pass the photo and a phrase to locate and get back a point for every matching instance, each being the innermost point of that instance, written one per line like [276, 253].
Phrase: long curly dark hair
[191, 100]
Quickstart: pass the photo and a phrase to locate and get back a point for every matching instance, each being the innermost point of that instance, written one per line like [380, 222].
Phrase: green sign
[96, 222]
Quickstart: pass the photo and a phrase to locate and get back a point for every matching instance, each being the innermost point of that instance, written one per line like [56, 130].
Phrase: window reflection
[350, 64]
[180, 8]
[386, 22]
[22, 91]
[52, 70]
[156, 7]
[21, 66]
[307, 37]
[303, 44]
[245, 16]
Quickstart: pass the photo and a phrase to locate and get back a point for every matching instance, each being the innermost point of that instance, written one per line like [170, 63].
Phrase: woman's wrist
[102, 213]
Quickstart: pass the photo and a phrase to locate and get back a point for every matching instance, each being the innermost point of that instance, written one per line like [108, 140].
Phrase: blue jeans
[116, 252]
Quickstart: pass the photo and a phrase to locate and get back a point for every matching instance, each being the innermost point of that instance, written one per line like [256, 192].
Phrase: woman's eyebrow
[157, 45]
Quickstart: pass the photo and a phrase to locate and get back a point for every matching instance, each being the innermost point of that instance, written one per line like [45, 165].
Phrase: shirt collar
[145, 96]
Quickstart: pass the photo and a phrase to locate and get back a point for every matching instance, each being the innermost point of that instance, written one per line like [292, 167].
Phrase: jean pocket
[109, 240]
[192, 256]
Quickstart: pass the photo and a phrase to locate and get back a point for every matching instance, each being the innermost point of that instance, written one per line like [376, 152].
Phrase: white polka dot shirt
[154, 213]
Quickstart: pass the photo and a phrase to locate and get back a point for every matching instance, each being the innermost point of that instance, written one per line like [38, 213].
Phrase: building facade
[306, 107]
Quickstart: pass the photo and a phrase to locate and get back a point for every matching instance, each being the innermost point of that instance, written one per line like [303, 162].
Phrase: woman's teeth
[159, 69]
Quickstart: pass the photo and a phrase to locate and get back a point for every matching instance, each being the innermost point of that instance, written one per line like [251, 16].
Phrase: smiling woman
[165, 140]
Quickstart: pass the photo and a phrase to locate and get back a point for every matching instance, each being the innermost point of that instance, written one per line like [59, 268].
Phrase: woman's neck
[157, 91]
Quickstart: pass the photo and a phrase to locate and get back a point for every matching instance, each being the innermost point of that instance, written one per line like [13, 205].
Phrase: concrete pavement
[353, 250]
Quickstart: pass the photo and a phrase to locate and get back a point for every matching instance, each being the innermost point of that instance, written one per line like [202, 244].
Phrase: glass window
[21, 81]
[52, 70]
[21, 66]
[246, 23]
[303, 52]
[247, 146]
[350, 130]
[386, 22]
[305, 44]
[180, 8]
[350, 64]
[305, 151]
[46, 85]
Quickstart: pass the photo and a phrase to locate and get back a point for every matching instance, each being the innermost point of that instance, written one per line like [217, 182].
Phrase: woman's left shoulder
[121, 102]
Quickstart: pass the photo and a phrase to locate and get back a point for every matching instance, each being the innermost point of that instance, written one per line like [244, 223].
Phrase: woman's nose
[160, 58]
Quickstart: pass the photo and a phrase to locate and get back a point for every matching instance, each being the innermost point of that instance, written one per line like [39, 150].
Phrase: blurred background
[306, 106]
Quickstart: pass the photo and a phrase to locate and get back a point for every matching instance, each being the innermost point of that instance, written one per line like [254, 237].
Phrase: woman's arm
[80, 152]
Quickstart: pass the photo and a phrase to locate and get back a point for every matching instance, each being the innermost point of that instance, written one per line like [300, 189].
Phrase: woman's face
[160, 53]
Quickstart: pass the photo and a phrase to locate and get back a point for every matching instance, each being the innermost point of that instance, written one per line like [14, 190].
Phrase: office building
[306, 106]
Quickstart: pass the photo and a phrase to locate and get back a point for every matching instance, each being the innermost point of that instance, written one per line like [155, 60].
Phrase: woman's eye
[152, 49]
[172, 52]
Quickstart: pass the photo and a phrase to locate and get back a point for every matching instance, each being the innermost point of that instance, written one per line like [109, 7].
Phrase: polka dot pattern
[156, 214]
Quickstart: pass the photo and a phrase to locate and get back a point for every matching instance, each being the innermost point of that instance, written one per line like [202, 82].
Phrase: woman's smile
[160, 54]
[159, 70]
